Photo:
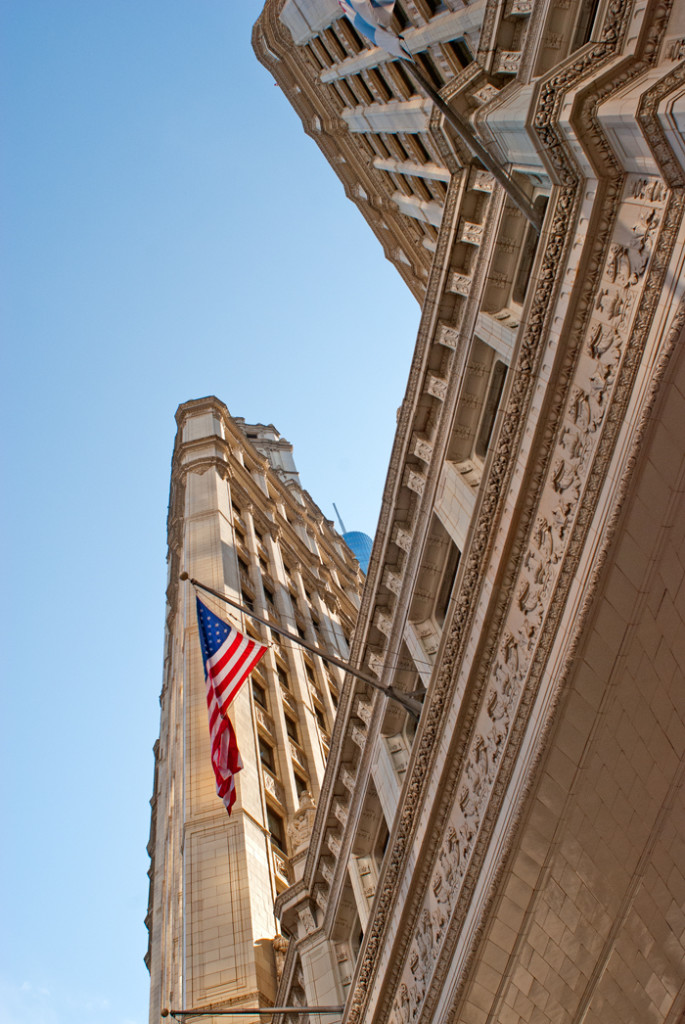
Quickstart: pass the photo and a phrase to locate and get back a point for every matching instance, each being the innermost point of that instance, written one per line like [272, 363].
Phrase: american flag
[228, 657]
[373, 19]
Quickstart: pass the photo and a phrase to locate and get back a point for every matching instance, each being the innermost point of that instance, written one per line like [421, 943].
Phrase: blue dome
[360, 545]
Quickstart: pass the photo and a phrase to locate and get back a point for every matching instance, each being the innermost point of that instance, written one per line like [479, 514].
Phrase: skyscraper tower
[240, 522]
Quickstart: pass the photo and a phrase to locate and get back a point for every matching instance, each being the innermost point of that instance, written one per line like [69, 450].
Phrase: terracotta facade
[516, 855]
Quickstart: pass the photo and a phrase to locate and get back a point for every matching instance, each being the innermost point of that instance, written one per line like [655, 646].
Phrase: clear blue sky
[168, 232]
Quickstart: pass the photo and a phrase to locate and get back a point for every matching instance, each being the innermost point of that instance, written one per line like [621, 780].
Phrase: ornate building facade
[240, 522]
[517, 854]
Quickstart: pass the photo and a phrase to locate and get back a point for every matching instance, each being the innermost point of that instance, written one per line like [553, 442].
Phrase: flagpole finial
[184, 576]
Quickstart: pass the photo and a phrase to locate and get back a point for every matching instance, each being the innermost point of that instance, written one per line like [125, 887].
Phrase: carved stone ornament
[392, 581]
[333, 842]
[460, 284]
[506, 62]
[470, 232]
[321, 897]
[414, 481]
[486, 93]
[402, 538]
[422, 448]
[340, 811]
[437, 387]
[448, 334]
[383, 623]
[280, 948]
[347, 777]
[306, 918]
[300, 830]
[358, 736]
[482, 181]
[376, 665]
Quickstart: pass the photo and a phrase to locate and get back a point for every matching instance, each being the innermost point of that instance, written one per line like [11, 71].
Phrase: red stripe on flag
[223, 680]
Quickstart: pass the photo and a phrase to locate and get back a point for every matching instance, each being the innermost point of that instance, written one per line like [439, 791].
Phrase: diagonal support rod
[470, 139]
[255, 1011]
[410, 703]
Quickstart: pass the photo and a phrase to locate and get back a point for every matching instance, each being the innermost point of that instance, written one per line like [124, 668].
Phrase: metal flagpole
[409, 703]
[469, 138]
[255, 1011]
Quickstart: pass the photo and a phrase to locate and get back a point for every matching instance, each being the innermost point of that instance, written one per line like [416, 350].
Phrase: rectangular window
[266, 755]
[276, 828]
[493, 396]
[447, 583]
[527, 256]
[320, 718]
[283, 677]
[291, 729]
[259, 694]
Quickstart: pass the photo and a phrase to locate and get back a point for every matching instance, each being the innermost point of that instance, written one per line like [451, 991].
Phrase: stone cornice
[652, 128]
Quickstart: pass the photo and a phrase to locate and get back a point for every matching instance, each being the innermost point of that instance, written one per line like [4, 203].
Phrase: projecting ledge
[442, 28]
[395, 116]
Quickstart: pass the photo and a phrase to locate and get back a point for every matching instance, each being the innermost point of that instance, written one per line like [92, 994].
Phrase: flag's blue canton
[213, 631]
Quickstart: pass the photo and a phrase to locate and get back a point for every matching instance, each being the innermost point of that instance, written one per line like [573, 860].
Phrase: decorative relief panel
[281, 865]
[470, 232]
[487, 93]
[273, 787]
[616, 303]
[460, 284]
[358, 736]
[300, 829]
[383, 623]
[340, 811]
[437, 387]
[347, 777]
[297, 755]
[676, 51]
[482, 181]
[402, 538]
[392, 581]
[333, 842]
[506, 62]
[413, 480]
[448, 334]
[422, 448]
[376, 666]
[364, 708]
[264, 720]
